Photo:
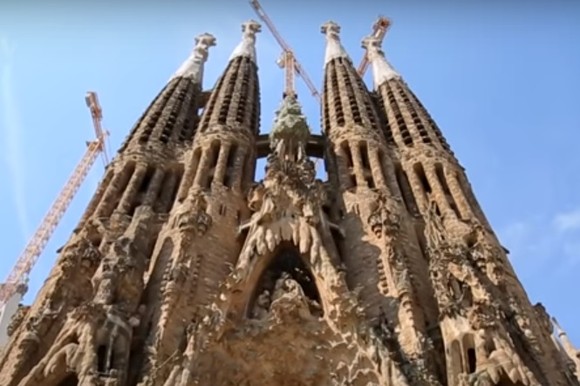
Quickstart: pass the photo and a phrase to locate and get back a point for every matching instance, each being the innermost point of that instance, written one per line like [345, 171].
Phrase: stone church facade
[185, 271]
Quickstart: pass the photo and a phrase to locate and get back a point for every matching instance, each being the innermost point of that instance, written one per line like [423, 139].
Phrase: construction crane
[379, 31]
[288, 59]
[17, 279]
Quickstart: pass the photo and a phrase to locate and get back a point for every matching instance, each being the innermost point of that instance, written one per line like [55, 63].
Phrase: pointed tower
[79, 330]
[199, 244]
[379, 249]
[484, 313]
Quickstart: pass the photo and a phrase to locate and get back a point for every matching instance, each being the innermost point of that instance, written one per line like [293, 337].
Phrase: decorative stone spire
[382, 69]
[290, 131]
[193, 65]
[334, 48]
[247, 46]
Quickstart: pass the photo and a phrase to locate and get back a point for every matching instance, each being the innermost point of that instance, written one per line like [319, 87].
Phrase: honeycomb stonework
[185, 271]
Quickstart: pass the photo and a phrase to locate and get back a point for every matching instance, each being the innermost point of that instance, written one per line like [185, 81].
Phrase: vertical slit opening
[406, 191]
[366, 165]
[349, 164]
[420, 173]
[190, 177]
[102, 362]
[230, 174]
[124, 178]
[471, 360]
[142, 191]
[448, 195]
[213, 153]
[168, 194]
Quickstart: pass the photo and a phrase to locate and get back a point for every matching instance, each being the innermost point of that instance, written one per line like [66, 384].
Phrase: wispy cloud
[548, 245]
[568, 221]
[10, 134]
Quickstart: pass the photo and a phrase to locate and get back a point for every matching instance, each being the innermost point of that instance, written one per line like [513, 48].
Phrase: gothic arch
[285, 261]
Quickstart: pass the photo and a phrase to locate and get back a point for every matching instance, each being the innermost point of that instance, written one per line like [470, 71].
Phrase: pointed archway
[285, 263]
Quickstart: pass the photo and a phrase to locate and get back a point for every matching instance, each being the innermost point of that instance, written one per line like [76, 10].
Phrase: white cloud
[10, 134]
[546, 245]
[568, 221]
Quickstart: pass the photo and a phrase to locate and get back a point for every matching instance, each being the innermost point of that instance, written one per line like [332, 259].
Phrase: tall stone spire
[192, 68]
[244, 110]
[247, 47]
[172, 116]
[88, 306]
[334, 48]
[382, 69]
[200, 243]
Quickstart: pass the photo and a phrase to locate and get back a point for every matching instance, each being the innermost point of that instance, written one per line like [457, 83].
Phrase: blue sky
[500, 78]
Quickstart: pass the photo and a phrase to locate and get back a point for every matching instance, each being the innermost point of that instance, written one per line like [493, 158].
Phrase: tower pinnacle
[290, 131]
[382, 69]
[334, 48]
[193, 65]
[247, 46]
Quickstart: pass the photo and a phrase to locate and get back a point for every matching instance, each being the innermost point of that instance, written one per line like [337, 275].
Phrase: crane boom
[379, 31]
[25, 262]
[288, 53]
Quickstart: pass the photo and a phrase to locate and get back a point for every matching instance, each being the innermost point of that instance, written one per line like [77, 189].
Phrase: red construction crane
[288, 60]
[18, 277]
[379, 31]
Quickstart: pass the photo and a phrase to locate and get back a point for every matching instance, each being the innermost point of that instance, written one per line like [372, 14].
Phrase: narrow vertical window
[349, 164]
[213, 153]
[366, 165]
[405, 189]
[230, 174]
[420, 173]
[116, 189]
[142, 190]
[448, 195]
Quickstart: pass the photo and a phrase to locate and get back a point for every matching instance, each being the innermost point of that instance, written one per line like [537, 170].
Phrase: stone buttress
[490, 330]
[80, 328]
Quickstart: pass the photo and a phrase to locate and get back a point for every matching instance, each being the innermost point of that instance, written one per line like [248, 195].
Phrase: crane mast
[288, 60]
[16, 281]
[379, 31]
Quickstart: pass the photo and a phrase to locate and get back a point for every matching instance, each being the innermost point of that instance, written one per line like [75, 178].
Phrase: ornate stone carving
[288, 203]
[193, 215]
[384, 219]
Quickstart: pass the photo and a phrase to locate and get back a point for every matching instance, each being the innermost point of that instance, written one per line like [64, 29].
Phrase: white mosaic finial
[193, 66]
[334, 48]
[247, 46]
[382, 69]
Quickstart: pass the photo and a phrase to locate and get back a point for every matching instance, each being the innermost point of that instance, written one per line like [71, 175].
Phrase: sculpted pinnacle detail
[382, 69]
[193, 66]
[247, 46]
[334, 48]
